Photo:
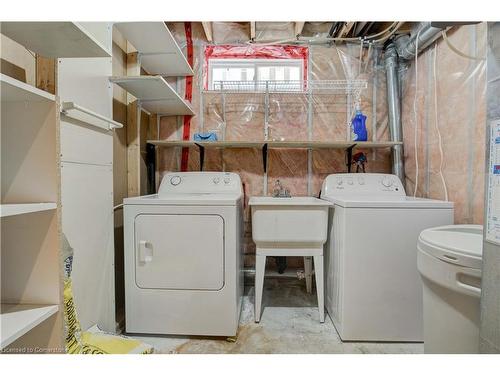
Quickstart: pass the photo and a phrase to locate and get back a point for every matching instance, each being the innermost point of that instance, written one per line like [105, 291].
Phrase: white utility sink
[295, 226]
[289, 222]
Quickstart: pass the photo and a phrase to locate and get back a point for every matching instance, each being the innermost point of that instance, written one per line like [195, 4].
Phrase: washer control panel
[200, 183]
[362, 183]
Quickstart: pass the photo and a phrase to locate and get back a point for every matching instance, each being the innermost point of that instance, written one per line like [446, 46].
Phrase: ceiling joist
[207, 27]
[298, 27]
[346, 29]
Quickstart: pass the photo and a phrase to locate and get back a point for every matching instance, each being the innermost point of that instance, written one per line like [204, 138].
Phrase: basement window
[255, 68]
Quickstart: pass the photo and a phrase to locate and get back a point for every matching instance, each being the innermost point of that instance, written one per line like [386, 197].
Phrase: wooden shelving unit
[17, 320]
[56, 39]
[348, 146]
[155, 95]
[25, 208]
[31, 288]
[275, 144]
[158, 51]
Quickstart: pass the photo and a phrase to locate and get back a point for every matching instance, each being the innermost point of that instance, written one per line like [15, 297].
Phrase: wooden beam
[45, 74]
[12, 70]
[252, 30]
[346, 29]
[133, 131]
[298, 27]
[207, 27]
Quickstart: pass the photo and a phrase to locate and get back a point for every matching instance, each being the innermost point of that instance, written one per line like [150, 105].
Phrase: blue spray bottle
[358, 124]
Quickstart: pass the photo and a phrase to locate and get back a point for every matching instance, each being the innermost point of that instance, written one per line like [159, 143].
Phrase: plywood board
[160, 53]
[155, 95]
[87, 217]
[55, 39]
[16, 320]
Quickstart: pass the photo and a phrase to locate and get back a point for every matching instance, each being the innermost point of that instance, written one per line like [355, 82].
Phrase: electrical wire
[391, 29]
[391, 33]
[415, 140]
[368, 56]
[360, 63]
[457, 51]
[436, 124]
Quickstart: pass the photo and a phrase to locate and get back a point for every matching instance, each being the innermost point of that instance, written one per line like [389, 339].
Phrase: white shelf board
[16, 320]
[159, 52]
[13, 90]
[155, 95]
[55, 39]
[11, 209]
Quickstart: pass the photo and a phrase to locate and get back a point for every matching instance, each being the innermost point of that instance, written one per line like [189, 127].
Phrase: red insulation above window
[254, 51]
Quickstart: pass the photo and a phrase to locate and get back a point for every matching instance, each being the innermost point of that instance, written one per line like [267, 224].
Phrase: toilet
[449, 260]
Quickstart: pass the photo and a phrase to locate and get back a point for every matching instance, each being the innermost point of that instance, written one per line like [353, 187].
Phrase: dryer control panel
[362, 183]
[200, 183]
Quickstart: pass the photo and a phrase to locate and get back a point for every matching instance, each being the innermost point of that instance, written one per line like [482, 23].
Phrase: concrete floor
[289, 324]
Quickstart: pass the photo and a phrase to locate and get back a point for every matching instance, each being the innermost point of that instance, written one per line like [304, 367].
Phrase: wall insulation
[458, 86]
[244, 117]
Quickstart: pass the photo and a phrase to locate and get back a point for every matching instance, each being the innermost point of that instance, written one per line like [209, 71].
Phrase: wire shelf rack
[353, 87]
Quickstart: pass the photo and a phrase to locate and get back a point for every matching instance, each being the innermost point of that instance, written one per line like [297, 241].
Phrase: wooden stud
[252, 30]
[207, 27]
[133, 150]
[346, 29]
[298, 28]
[46, 74]
[12, 70]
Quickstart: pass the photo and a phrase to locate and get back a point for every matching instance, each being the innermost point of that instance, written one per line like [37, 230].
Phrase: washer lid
[385, 201]
[457, 244]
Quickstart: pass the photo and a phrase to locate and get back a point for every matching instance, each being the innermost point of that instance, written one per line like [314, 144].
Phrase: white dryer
[183, 256]
[373, 288]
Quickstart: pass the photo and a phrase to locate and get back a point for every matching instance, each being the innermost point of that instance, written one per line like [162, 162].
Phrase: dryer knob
[387, 181]
[175, 180]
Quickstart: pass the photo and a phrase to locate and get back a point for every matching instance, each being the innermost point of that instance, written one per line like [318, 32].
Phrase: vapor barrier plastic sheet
[444, 95]
[253, 51]
[241, 116]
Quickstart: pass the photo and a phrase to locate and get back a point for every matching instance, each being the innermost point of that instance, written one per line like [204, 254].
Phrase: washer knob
[386, 181]
[216, 180]
[175, 180]
[227, 180]
[339, 181]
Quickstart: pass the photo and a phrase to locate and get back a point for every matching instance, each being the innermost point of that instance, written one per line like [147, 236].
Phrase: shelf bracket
[202, 155]
[348, 157]
[264, 157]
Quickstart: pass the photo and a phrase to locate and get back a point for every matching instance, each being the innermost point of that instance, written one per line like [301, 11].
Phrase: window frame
[254, 63]
[260, 56]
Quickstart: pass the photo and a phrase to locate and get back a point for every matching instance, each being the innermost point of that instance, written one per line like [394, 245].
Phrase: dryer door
[175, 251]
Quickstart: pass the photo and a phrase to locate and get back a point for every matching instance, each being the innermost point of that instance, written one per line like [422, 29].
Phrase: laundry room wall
[288, 118]
[458, 87]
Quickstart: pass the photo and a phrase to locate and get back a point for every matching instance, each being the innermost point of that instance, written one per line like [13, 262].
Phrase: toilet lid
[457, 244]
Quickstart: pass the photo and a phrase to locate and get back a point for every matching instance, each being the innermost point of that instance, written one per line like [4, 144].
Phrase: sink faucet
[279, 191]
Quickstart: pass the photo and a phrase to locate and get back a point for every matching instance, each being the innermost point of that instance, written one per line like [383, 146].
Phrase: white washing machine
[373, 288]
[183, 256]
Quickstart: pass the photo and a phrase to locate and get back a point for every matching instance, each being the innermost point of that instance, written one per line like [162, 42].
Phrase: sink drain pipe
[398, 51]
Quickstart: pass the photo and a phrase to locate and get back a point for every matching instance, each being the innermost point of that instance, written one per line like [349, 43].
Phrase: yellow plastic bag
[78, 342]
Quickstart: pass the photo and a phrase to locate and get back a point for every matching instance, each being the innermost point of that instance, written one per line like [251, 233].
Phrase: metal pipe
[394, 109]
[401, 50]
[423, 36]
